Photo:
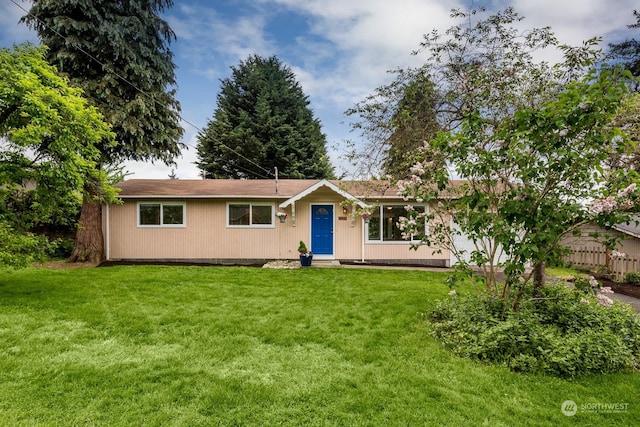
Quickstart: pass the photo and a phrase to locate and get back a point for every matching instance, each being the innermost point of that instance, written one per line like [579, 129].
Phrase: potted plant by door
[305, 255]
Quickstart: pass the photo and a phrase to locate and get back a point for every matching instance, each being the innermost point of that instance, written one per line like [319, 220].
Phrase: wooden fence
[600, 258]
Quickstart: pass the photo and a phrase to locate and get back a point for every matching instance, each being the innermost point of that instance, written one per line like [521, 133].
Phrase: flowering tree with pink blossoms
[530, 146]
[526, 187]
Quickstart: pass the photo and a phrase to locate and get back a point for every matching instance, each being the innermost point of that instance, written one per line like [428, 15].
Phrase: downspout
[107, 237]
[363, 236]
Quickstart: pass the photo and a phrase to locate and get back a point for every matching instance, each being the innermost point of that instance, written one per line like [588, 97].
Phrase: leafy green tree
[628, 118]
[529, 141]
[118, 53]
[262, 121]
[395, 120]
[628, 52]
[49, 151]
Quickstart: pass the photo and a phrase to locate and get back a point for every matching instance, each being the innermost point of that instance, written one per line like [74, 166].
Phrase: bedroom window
[161, 214]
[250, 215]
[382, 226]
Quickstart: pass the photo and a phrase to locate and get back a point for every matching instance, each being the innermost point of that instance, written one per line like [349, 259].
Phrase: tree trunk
[538, 275]
[89, 244]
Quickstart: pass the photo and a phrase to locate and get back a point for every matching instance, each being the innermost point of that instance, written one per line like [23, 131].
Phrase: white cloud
[576, 20]
[211, 42]
[364, 40]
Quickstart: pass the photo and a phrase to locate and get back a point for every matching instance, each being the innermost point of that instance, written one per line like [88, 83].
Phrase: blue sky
[340, 50]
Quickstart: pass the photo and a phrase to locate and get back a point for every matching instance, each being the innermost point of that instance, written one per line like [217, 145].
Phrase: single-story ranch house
[221, 221]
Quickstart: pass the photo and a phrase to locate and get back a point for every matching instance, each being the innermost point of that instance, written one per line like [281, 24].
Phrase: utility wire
[93, 58]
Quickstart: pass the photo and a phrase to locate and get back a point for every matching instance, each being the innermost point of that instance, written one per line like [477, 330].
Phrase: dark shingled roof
[220, 188]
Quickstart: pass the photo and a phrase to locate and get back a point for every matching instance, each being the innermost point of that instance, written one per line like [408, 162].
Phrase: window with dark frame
[161, 214]
[250, 215]
[383, 226]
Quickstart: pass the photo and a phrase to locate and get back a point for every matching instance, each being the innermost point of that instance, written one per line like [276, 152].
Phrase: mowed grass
[202, 346]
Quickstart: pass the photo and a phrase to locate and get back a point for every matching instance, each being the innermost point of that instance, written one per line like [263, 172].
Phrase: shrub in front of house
[559, 331]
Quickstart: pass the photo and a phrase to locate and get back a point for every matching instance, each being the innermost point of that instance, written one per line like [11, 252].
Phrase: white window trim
[162, 204]
[394, 242]
[251, 205]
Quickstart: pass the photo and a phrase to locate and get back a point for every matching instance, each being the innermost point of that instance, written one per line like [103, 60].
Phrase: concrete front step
[325, 263]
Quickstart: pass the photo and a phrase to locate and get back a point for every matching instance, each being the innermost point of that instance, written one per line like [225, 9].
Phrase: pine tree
[118, 53]
[628, 52]
[394, 121]
[413, 123]
[262, 118]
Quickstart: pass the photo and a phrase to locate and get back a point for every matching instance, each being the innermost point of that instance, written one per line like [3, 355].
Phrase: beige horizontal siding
[206, 235]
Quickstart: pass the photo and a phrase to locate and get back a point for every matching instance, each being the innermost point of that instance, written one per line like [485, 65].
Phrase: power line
[152, 99]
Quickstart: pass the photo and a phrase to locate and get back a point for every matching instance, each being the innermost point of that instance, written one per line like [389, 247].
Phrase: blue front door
[322, 229]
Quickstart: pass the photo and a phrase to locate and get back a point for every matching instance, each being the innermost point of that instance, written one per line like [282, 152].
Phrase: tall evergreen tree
[628, 52]
[414, 122]
[118, 53]
[395, 121]
[628, 116]
[262, 118]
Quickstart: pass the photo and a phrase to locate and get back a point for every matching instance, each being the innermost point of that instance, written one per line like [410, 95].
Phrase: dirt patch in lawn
[64, 265]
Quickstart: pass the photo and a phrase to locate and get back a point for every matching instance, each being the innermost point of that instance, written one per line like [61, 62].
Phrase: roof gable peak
[318, 185]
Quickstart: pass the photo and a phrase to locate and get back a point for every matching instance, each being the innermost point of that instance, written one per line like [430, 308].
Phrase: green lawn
[191, 346]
